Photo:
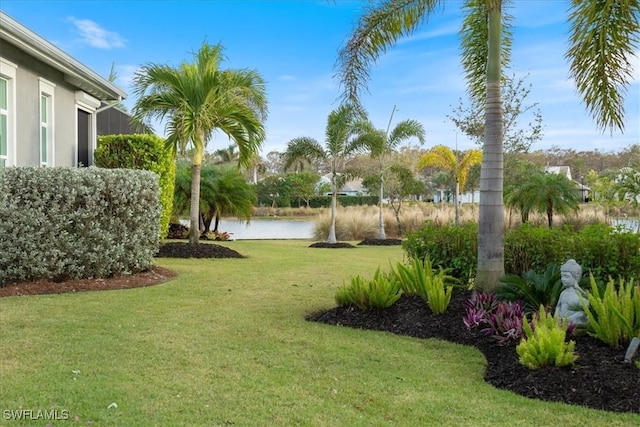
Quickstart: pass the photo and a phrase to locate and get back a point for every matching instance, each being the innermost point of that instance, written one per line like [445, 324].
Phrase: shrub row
[599, 248]
[146, 152]
[61, 223]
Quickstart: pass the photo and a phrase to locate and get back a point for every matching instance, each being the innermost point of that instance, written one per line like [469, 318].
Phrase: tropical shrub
[73, 223]
[599, 248]
[382, 291]
[544, 342]
[614, 315]
[506, 323]
[478, 308]
[420, 278]
[146, 152]
[500, 319]
[532, 288]
[608, 251]
[449, 247]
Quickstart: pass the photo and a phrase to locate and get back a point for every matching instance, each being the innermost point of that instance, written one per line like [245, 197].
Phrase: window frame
[8, 72]
[46, 122]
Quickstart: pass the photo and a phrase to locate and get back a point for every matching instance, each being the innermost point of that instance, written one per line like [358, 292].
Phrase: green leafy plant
[382, 291]
[531, 288]
[613, 314]
[450, 247]
[142, 151]
[544, 342]
[420, 278]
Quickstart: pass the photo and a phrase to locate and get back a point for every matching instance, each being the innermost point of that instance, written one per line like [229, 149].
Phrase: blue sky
[294, 45]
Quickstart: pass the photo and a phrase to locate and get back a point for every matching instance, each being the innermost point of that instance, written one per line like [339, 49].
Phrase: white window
[46, 123]
[7, 113]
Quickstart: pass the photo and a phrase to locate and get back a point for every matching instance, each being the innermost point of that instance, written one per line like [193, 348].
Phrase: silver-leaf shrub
[60, 223]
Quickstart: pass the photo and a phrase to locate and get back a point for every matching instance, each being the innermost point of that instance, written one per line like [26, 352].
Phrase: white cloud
[92, 34]
[287, 78]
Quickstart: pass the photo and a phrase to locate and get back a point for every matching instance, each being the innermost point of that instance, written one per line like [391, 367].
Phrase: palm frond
[604, 37]
[378, 28]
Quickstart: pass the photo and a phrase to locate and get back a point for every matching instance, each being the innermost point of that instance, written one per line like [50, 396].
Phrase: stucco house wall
[42, 81]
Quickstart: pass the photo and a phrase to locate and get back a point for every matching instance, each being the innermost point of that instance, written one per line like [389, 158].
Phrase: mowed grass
[226, 343]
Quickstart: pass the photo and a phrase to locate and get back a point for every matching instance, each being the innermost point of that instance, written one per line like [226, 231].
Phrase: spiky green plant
[544, 343]
[614, 315]
[382, 291]
[420, 278]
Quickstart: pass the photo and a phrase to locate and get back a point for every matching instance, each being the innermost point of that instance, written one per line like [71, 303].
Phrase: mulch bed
[599, 379]
[338, 245]
[153, 276]
[381, 242]
[203, 250]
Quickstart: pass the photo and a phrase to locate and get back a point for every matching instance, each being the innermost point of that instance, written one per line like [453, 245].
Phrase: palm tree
[226, 155]
[443, 157]
[197, 99]
[381, 143]
[604, 37]
[550, 193]
[223, 191]
[514, 196]
[341, 141]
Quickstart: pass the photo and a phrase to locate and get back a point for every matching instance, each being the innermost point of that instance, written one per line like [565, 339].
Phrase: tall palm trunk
[334, 202]
[381, 234]
[491, 213]
[455, 200]
[194, 223]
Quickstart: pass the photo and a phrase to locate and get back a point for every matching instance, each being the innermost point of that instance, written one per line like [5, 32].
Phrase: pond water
[627, 224]
[267, 229]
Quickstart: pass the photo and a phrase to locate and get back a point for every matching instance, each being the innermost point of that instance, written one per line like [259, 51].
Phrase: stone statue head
[573, 268]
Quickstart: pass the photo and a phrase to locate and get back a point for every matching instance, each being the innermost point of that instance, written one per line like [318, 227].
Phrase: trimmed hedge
[599, 248]
[67, 223]
[142, 151]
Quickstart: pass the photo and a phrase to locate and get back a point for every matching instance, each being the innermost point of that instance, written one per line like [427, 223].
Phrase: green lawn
[226, 343]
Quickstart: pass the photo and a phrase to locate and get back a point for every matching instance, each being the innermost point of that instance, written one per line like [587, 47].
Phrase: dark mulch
[381, 242]
[337, 245]
[202, 250]
[153, 276]
[599, 379]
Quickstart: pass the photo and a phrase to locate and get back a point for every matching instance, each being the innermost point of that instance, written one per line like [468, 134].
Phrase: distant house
[350, 188]
[49, 101]
[566, 171]
[561, 170]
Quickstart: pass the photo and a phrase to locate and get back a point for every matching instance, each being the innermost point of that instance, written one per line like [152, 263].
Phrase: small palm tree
[226, 155]
[223, 191]
[550, 193]
[341, 134]
[197, 99]
[381, 143]
[443, 157]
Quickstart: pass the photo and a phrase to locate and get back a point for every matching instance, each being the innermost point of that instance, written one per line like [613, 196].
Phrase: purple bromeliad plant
[499, 319]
